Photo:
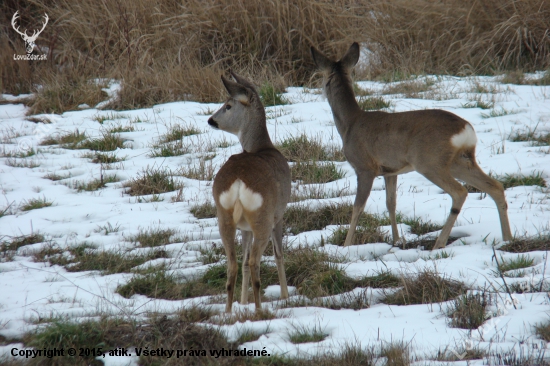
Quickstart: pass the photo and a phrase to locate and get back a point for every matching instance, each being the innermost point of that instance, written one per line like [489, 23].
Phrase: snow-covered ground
[31, 290]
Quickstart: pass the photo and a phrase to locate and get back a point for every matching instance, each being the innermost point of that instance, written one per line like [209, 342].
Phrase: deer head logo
[29, 40]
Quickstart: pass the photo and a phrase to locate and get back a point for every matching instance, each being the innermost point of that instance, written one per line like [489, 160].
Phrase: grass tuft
[151, 181]
[94, 184]
[522, 245]
[154, 237]
[35, 203]
[271, 96]
[373, 103]
[307, 334]
[206, 210]
[424, 288]
[543, 330]
[515, 180]
[305, 148]
[315, 172]
[469, 311]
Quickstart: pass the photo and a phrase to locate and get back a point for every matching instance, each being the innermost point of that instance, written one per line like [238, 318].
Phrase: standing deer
[435, 143]
[251, 190]
[29, 40]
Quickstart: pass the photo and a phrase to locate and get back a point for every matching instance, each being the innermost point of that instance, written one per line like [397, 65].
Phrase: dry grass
[469, 311]
[305, 148]
[137, 43]
[151, 181]
[424, 288]
[522, 245]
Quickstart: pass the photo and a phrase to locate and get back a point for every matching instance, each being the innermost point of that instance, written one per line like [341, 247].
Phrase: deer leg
[458, 194]
[277, 240]
[391, 198]
[227, 233]
[247, 242]
[258, 247]
[477, 178]
[364, 185]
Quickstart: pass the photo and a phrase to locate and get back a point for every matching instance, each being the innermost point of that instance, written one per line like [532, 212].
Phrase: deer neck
[342, 101]
[255, 137]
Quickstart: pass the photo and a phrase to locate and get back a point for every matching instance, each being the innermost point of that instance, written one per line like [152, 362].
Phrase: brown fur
[389, 144]
[264, 171]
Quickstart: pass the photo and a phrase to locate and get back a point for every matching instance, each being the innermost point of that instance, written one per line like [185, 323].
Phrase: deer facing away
[435, 143]
[251, 190]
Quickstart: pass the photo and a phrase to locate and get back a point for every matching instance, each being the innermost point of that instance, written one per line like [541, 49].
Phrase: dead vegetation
[136, 43]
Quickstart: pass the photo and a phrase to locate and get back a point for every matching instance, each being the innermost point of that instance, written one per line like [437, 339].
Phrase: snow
[34, 290]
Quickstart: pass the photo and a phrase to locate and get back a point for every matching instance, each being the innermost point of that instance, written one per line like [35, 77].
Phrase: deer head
[29, 40]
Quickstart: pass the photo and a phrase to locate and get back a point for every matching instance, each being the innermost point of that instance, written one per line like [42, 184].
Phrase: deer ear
[236, 91]
[242, 80]
[351, 57]
[322, 61]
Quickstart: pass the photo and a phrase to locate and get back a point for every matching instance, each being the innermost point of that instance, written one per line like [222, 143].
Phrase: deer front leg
[247, 242]
[391, 203]
[277, 240]
[364, 185]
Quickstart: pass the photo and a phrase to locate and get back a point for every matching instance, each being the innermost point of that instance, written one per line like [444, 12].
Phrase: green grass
[151, 181]
[56, 177]
[65, 334]
[206, 210]
[520, 262]
[478, 104]
[85, 257]
[168, 150]
[120, 128]
[373, 103]
[94, 184]
[304, 148]
[178, 132]
[271, 96]
[307, 334]
[103, 158]
[498, 113]
[314, 172]
[301, 218]
[14, 243]
[35, 203]
[516, 180]
[418, 226]
[469, 311]
[71, 139]
[107, 142]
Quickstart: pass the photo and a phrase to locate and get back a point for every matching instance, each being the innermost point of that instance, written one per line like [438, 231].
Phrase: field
[107, 222]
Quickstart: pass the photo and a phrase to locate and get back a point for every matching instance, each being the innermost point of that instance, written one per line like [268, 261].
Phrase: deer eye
[227, 107]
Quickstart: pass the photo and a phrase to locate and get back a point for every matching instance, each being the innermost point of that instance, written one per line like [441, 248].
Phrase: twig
[503, 280]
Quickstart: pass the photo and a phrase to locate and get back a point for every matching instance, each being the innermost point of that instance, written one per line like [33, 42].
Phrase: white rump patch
[250, 200]
[466, 138]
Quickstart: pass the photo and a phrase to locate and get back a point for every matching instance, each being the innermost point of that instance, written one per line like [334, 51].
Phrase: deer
[435, 143]
[29, 40]
[251, 190]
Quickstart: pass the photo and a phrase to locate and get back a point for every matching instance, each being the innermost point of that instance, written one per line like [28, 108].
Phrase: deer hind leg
[391, 203]
[277, 240]
[473, 175]
[247, 242]
[458, 194]
[227, 233]
[364, 185]
[261, 239]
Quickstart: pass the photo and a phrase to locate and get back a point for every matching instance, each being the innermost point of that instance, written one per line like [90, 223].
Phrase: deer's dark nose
[212, 123]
